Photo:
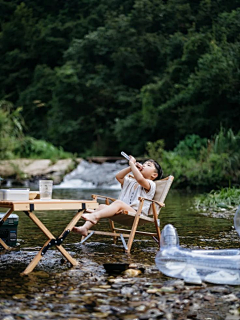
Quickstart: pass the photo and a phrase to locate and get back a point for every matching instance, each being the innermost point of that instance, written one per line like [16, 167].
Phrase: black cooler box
[8, 230]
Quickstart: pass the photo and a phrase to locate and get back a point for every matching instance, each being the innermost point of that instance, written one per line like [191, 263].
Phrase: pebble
[208, 297]
[100, 290]
[141, 308]
[105, 287]
[152, 314]
[230, 298]
[120, 280]
[128, 291]
[219, 290]
[167, 289]
[234, 312]
[100, 315]
[153, 290]
[19, 296]
[132, 272]
[93, 294]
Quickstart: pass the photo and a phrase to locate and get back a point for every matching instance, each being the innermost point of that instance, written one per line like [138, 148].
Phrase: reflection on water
[54, 291]
[194, 230]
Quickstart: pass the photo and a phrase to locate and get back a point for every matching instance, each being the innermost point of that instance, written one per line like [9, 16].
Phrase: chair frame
[130, 233]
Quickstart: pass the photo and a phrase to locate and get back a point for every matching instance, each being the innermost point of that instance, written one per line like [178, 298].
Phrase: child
[132, 189]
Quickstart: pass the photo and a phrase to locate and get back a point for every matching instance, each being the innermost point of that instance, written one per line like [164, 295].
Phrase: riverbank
[90, 291]
[19, 170]
[221, 203]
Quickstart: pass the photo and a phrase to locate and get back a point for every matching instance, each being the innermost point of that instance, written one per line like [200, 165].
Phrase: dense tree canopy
[96, 77]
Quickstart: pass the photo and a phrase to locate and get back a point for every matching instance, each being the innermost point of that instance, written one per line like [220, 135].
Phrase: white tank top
[132, 190]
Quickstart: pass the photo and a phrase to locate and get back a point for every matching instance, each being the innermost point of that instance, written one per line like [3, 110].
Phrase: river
[56, 291]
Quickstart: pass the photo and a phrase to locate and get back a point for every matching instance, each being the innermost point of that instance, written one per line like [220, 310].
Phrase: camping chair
[134, 220]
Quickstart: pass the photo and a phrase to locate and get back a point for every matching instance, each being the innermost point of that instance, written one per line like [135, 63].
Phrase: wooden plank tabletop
[51, 204]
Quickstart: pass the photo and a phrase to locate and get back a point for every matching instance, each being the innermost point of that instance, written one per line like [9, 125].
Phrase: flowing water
[56, 291]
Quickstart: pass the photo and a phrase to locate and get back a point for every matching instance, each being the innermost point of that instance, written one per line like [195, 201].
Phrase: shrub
[226, 198]
[39, 149]
[198, 163]
[191, 146]
[14, 144]
[11, 126]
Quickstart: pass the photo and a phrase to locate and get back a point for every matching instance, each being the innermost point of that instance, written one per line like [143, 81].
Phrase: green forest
[156, 77]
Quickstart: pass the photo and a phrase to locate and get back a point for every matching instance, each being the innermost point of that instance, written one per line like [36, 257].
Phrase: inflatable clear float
[195, 266]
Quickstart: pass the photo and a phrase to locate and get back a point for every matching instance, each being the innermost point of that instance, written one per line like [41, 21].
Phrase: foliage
[11, 127]
[197, 164]
[191, 146]
[13, 142]
[226, 198]
[39, 149]
[113, 75]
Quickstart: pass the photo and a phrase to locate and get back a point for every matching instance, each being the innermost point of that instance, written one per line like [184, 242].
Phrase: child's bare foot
[81, 230]
[90, 217]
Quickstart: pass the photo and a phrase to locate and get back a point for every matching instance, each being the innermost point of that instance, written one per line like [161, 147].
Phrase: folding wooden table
[30, 206]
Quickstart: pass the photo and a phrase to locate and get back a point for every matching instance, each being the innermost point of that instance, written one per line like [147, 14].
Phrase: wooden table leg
[67, 255]
[40, 225]
[51, 237]
[69, 227]
[73, 222]
[7, 214]
[3, 244]
[35, 261]
[38, 257]
[4, 218]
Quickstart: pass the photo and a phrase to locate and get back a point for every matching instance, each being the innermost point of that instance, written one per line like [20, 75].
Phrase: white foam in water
[92, 175]
[76, 183]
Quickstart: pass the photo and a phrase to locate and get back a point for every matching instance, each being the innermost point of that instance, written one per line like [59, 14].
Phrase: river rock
[132, 272]
[23, 169]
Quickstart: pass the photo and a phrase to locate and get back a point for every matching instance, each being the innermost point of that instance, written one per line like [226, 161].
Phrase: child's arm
[121, 174]
[137, 174]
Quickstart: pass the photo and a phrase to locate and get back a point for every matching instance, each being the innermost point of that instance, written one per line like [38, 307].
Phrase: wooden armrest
[153, 201]
[97, 196]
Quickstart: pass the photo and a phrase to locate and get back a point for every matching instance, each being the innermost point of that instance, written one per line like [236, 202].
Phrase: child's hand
[132, 160]
[139, 166]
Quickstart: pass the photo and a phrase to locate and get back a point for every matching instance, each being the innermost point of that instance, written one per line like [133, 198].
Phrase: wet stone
[230, 298]
[141, 308]
[93, 294]
[219, 290]
[167, 289]
[178, 284]
[100, 290]
[152, 314]
[132, 272]
[105, 286]
[128, 291]
[209, 297]
[154, 290]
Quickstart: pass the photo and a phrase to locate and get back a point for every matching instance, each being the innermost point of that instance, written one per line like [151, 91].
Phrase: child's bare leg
[107, 211]
[83, 230]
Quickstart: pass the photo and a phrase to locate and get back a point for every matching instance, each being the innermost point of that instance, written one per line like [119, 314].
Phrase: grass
[226, 198]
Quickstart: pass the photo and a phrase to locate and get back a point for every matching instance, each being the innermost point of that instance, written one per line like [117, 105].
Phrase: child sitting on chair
[132, 189]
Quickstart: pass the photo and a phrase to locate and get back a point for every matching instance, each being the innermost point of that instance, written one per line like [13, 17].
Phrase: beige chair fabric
[133, 220]
[162, 188]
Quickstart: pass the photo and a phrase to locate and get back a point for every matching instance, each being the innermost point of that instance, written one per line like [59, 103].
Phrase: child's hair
[158, 169]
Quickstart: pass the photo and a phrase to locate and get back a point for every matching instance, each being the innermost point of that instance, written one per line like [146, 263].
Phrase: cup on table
[45, 188]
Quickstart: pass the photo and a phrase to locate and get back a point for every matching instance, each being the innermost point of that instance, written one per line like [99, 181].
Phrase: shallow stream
[56, 291]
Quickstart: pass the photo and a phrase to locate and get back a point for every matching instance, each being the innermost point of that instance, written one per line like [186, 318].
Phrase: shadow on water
[55, 291]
